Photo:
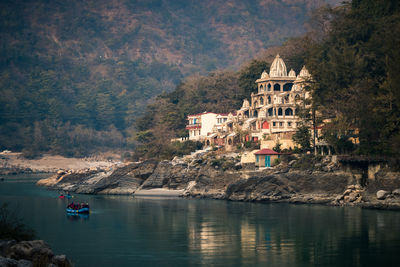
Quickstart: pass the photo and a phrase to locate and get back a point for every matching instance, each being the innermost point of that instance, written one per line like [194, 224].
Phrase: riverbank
[207, 175]
[30, 253]
[15, 163]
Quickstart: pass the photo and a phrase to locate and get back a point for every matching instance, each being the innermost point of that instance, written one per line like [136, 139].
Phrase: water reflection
[77, 217]
[179, 232]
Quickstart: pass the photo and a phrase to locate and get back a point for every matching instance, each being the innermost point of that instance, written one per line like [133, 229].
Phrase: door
[267, 161]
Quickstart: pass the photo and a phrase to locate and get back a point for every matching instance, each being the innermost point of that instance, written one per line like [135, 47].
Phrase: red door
[265, 125]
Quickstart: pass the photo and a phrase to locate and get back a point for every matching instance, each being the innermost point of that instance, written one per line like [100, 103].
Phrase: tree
[303, 137]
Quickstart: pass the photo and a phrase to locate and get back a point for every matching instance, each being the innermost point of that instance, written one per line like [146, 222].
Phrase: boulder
[353, 196]
[36, 250]
[396, 192]
[382, 194]
[6, 262]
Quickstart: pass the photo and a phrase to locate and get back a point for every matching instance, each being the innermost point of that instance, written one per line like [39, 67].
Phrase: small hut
[266, 157]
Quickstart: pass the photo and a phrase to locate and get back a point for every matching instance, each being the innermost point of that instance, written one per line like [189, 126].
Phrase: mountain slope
[97, 63]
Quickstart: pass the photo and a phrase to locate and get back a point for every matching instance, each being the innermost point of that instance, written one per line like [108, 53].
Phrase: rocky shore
[208, 175]
[29, 253]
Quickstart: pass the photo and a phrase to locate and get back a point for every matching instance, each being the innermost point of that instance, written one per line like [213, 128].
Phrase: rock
[36, 250]
[6, 262]
[351, 187]
[382, 194]
[24, 263]
[61, 260]
[396, 192]
[292, 162]
[353, 196]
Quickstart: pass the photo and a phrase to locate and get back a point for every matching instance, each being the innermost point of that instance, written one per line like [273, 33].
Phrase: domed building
[272, 110]
[270, 116]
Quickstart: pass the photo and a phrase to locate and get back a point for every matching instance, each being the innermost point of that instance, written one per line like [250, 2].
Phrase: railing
[194, 125]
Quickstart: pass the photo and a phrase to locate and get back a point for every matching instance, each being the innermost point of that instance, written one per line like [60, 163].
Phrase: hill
[77, 74]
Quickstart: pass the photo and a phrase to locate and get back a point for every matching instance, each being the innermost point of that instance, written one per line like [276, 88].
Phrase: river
[127, 231]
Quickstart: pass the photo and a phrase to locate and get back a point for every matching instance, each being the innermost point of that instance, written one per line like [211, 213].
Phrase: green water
[127, 231]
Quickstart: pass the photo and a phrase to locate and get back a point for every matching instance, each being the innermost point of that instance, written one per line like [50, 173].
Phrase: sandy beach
[160, 192]
[51, 163]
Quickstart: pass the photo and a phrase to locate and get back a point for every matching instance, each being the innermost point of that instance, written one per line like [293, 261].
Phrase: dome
[264, 75]
[246, 104]
[304, 72]
[278, 68]
[292, 73]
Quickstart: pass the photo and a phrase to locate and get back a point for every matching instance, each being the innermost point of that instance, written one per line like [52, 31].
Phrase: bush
[11, 226]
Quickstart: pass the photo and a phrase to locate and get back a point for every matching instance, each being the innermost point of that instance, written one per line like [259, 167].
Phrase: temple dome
[304, 72]
[292, 73]
[264, 75]
[246, 104]
[278, 68]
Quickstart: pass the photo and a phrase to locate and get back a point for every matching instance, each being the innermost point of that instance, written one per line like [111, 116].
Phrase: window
[274, 124]
[261, 101]
[269, 87]
[287, 87]
[289, 112]
[289, 124]
[261, 88]
[280, 124]
[269, 100]
[257, 159]
[277, 87]
[280, 112]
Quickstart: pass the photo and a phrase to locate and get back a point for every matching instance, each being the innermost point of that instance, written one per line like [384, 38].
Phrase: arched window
[255, 114]
[230, 141]
[287, 87]
[269, 100]
[277, 87]
[270, 112]
[261, 88]
[261, 101]
[288, 112]
[279, 111]
[265, 125]
[287, 99]
[269, 87]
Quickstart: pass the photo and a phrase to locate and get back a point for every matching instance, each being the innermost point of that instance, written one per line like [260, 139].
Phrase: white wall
[207, 123]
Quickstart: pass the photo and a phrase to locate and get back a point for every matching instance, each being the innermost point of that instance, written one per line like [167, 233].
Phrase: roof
[199, 114]
[267, 151]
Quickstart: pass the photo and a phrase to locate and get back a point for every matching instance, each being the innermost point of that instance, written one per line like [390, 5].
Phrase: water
[127, 231]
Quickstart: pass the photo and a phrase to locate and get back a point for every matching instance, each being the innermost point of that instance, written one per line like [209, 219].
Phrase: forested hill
[76, 74]
[352, 52]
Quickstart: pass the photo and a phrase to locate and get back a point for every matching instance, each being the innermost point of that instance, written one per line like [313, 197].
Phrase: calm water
[126, 231]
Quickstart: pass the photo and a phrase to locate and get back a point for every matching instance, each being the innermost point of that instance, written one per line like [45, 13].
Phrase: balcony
[193, 126]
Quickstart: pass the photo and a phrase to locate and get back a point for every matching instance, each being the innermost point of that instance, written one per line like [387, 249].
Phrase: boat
[78, 208]
[62, 196]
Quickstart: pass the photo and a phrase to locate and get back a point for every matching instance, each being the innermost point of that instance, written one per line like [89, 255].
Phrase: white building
[201, 125]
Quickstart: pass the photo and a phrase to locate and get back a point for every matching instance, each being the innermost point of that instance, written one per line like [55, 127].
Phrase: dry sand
[49, 163]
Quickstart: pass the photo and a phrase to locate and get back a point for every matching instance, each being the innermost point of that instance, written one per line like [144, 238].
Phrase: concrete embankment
[207, 175]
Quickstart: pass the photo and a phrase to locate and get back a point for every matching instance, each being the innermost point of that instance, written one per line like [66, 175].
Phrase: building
[270, 116]
[205, 124]
[266, 158]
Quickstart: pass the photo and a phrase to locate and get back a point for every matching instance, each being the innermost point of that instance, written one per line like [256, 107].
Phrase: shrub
[11, 226]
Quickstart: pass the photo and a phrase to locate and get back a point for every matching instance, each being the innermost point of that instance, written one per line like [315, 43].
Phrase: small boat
[61, 196]
[78, 208]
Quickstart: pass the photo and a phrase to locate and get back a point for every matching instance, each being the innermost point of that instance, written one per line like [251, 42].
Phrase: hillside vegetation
[352, 53]
[75, 75]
